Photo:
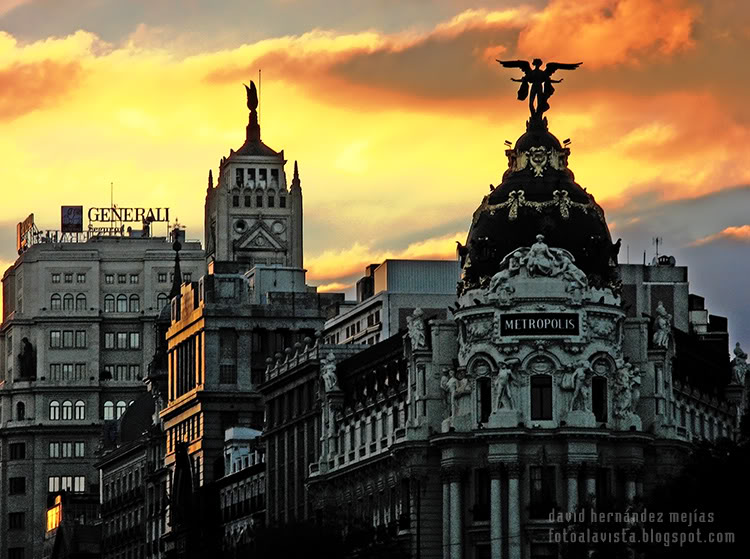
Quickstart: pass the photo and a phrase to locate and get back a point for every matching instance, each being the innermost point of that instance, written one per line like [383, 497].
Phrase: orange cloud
[737, 234]
[27, 87]
[336, 264]
[608, 32]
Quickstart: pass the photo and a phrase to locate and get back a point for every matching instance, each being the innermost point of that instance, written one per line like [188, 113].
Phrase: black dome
[538, 194]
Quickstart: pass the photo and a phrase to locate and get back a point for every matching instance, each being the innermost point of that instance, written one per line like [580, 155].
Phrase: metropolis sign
[129, 214]
[536, 324]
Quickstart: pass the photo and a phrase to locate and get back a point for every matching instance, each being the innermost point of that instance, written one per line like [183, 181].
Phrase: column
[456, 514]
[631, 475]
[446, 516]
[590, 473]
[496, 519]
[571, 474]
[514, 510]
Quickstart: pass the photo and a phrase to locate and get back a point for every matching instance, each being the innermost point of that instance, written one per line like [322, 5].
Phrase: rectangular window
[55, 278]
[134, 278]
[67, 339]
[17, 486]
[79, 484]
[187, 277]
[161, 277]
[55, 371]
[79, 449]
[54, 450]
[135, 340]
[53, 484]
[67, 372]
[109, 340]
[108, 372]
[122, 340]
[541, 397]
[80, 369]
[16, 520]
[248, 201]
[259, 201]
[135, 372]
[109, 278]
[17, 451]
[67, 450]
[122, 278]
[542, 486]
[81, 278]
[239, 175]
[16, 553]
[235, 201]
[68, 278]
[55, 338]
[271, 201]
[66, 483]
[282, 201]
[481, 508]
[80, 339]
[599, 398]
[121, 372]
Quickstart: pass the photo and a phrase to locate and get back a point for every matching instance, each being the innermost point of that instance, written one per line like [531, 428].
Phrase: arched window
[121, 407]
[55, 302]
[122, 303]
[67, 410]
[109, 303]
[54, 410]
[68, 304]
[541, 397]
[599, 398]
[80, 302]
[20, 411]
[162, 301]
[109, 410]
[80, 410]
[134, 304]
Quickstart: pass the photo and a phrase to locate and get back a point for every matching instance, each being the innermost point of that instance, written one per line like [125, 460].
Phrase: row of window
[67, 449]
[122, 340]
[67, 302]
[67, 339]
[67, 411]
[67, 371]
[271, 202]
[122, 303]
[240, 175]
[68, 277]
[109, 279]
[77, 484]
[114, 411]
[121, 372]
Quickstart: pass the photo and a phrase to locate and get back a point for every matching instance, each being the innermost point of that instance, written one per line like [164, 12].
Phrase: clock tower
[252, 215]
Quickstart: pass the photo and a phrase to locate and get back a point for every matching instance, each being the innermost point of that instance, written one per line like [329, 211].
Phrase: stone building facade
[76, 343]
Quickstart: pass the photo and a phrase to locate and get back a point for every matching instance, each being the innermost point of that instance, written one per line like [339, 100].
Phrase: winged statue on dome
[538, 80]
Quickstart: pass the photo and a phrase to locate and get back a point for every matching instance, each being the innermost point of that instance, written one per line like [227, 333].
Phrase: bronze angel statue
[540, 81]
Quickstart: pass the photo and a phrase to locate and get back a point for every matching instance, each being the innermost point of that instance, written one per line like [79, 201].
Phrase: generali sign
[128, 214]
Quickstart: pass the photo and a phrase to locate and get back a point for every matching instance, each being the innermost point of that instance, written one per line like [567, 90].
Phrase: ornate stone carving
[580, 382]
[479, 330]
[504, 382]
[739, 365]
[662, 326]
[627, 389]
[415, 326]
[328, 373]
[454, 386]
[539, 159]
[601, 327]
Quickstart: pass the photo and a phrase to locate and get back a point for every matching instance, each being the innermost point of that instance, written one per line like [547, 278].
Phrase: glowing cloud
[739, 234]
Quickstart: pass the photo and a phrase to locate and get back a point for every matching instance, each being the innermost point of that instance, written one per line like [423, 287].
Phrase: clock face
[240, 226]
[278, 227]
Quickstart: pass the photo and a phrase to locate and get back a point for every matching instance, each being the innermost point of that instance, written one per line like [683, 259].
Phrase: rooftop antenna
[656, 241]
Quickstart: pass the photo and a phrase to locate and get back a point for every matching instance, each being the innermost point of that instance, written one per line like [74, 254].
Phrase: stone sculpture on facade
[328, 373]
[503, 381]
[416, 329]
[454, 386]
[627, 390]
[538, 80]
[582, 387]
[539, 260]
[739, 365]
[27, 359]
[662, 326]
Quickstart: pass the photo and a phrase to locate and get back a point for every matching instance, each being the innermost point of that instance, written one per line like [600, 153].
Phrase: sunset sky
[396, 111]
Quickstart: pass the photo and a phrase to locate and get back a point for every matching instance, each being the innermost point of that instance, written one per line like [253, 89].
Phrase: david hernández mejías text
[632, 517]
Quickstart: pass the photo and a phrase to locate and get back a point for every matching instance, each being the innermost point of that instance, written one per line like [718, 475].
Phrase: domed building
[562, 381]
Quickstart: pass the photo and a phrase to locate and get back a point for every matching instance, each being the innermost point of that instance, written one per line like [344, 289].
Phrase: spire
[253, 128]
[295, 179]
[177, 275]
[210, 179]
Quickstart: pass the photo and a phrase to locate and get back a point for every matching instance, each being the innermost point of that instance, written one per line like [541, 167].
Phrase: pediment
[259, 237]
